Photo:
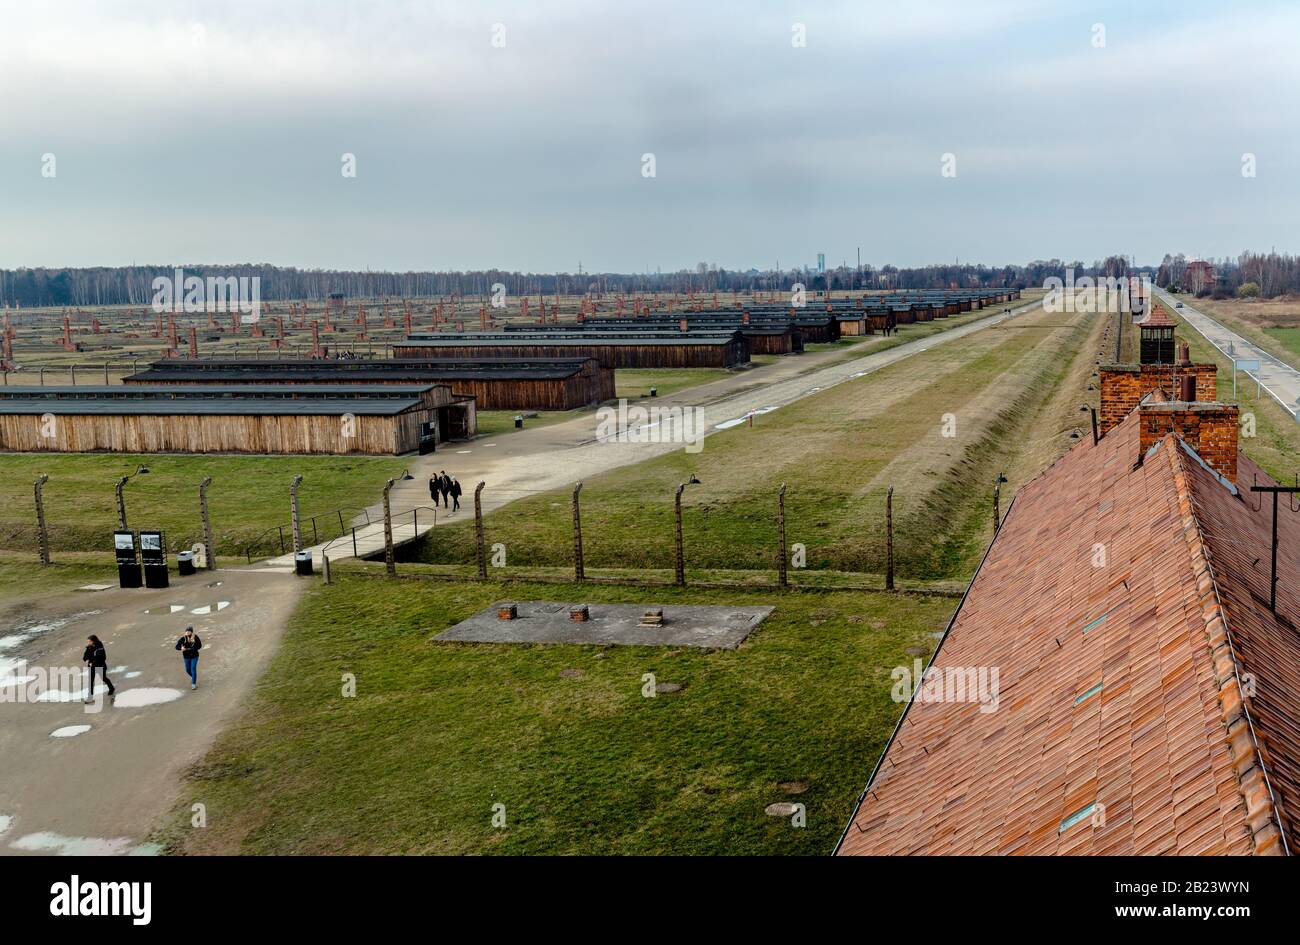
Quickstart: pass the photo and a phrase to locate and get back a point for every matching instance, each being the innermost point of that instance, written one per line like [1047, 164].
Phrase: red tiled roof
[1158, 318]
[1173, 758]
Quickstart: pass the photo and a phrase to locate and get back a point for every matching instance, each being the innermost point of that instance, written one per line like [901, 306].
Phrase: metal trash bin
[185, 563]
[302, 562]
[519, 422]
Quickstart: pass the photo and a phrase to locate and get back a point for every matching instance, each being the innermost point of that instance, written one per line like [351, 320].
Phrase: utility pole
[43, 536]
[1272, 583]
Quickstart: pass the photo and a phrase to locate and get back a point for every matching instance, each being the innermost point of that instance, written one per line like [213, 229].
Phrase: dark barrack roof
[306, 399]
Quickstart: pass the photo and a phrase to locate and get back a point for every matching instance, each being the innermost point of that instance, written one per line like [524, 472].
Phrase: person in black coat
[455, 494]
[444, 486]
[433, 490]
[96, 659]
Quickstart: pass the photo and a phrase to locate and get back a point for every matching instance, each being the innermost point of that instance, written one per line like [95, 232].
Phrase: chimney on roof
[1208, 428]
[683, 325]
[1184, 354]
[1124, 385]
[744, 318]
[1187, 388]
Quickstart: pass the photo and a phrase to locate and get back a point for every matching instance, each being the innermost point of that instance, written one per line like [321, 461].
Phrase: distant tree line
[133, 285]
[1250, 275]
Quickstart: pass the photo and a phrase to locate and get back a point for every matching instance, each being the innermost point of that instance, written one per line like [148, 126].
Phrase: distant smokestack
[684, 325]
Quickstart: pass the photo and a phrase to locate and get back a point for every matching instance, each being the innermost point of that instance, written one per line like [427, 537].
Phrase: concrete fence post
[390, 561]
[578, 572]
[680, 560]
[209, 543]
[478, 531]
[889, 539]
[780, 532]
[43, 536]
[293, 514]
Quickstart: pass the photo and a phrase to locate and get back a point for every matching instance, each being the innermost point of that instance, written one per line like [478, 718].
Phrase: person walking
[455, 494]
[95, 658]
[189, 644]
[433, 490]
[444, 486]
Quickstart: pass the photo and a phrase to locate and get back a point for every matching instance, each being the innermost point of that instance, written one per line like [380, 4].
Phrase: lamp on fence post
[42, 535]
[578, 574]
[780, 529]
[121, 500]
[680, 562]
[478, 531]
[293, 515]
[389, 561]
[209, 547]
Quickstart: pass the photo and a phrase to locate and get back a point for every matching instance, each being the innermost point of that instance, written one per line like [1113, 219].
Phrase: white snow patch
[70, 731]
[145, 695]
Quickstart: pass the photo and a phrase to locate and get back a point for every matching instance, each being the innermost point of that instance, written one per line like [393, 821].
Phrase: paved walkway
[93, 779]
[1281, 380]
[559, 455]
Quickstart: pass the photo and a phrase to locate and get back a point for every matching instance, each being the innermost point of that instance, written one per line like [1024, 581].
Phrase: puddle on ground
[59, 845]
[70, 731]
[211, 608]
[145, 695]
[22, 632]
[165, 609]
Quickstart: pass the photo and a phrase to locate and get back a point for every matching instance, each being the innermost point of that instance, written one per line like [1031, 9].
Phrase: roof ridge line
[1263, 819]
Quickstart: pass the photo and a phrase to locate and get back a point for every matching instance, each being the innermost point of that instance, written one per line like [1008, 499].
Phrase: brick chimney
[1208, 428]
[684, 325]
[1124, 385]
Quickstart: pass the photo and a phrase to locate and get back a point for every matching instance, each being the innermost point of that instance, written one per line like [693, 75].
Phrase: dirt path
[100, 790]
[558, 455]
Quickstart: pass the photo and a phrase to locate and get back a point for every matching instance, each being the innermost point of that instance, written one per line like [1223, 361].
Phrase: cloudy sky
[215, 132]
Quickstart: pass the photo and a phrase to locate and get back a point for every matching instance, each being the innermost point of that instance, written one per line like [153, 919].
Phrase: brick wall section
[1210, 429]
[1124, 385]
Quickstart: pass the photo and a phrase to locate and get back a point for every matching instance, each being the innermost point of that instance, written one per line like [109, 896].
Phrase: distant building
[1200, 275]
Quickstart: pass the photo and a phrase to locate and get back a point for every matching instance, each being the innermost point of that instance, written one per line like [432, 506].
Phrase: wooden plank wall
[207, 433]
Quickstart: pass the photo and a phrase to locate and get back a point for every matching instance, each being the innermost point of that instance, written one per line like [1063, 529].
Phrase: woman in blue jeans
[189, 645]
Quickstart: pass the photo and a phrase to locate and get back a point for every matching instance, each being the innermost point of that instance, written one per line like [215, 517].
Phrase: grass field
[22, 579]
[437, 734]
[1276, 443]
[248, 495]
[838, 452]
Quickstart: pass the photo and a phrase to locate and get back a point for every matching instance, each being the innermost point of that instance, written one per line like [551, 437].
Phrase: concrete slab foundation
[721, 628]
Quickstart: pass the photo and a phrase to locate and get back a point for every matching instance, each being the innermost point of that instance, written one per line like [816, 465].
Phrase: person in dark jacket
[455, 494]
[95, 658]
[433, 490]
[189, 644]
[444, 486]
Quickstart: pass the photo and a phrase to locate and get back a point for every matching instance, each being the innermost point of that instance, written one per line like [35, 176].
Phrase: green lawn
[838, 452]
[437, 734]
[23, 578]
[1289, 338]
[1276, 443]
[248, 495]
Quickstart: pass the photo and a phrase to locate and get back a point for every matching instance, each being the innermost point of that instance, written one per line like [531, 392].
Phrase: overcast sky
[214, 132]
